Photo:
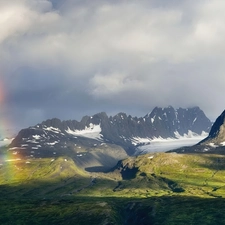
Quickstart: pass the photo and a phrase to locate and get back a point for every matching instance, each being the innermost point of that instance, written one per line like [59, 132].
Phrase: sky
[70, 58]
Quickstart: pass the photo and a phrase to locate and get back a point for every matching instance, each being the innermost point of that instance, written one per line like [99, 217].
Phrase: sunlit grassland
[154, 175]
[148, 189]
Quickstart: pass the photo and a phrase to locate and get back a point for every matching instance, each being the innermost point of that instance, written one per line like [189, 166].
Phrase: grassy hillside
[177, 174]
[149, 189]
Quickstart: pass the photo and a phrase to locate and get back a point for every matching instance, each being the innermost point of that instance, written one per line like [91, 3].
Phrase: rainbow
[4, 122]
[10, 166]
[8, 158]
[1, 93]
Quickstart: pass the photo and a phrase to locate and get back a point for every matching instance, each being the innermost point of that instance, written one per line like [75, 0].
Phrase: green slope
[149, 189]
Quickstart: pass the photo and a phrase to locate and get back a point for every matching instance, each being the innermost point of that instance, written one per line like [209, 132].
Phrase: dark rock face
[168, 120]
[121, 130]
[217, 132]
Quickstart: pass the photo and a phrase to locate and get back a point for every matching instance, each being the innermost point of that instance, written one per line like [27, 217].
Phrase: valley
[68, 172]
[159, 188]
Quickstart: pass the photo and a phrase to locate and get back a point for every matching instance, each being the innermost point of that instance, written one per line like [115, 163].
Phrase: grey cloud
[70, 58]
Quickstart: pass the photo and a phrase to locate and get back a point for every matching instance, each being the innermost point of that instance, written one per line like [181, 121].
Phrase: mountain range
[99, 141]
[43, 171]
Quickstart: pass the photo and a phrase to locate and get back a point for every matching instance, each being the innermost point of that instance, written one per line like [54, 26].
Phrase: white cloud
[12, 21]
[91, 34]
[109, 85]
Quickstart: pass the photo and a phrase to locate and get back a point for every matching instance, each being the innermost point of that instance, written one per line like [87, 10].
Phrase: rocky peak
[99, 118]
[217, 132]
[121, 115]
[55, 122]
[218, 126]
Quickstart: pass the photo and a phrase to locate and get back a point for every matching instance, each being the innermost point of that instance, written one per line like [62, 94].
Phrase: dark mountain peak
[196, 108]
[157, 110]
[120, 115]
[161, 110]
[54, 122]
[169, 109]
[217, 125]
[217, 132]
[84, 119]
[160, 113]
[100, 115]
[99, 118]
[95, 119]
[179, 120]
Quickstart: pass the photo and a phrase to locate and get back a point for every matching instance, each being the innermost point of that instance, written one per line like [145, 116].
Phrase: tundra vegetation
[157, 189]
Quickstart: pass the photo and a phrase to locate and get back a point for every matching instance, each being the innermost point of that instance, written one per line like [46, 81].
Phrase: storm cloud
[69, 58]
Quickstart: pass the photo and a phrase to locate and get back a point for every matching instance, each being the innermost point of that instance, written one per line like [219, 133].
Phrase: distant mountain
[95, 136]
[7, 135]
[214, 142]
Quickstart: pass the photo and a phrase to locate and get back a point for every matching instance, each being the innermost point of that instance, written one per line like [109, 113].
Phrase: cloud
[90, 56]
[108, 85]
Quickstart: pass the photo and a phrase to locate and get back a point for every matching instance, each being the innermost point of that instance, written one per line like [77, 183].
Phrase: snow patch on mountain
[7, 135]
[52, 143]
[138, 140]
[37, 137]
[162, 145]
[53, 129]
[5, 142]
[190, 134]
[213, 145]
[92, 131]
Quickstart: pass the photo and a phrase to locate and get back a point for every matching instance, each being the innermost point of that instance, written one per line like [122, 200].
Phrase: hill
[162, 188]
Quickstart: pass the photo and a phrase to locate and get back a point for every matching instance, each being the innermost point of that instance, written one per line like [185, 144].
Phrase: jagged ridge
[121, 130]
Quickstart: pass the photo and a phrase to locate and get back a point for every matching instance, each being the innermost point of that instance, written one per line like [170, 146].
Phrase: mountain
[101, 140]
[7, 135]
[214, 142]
